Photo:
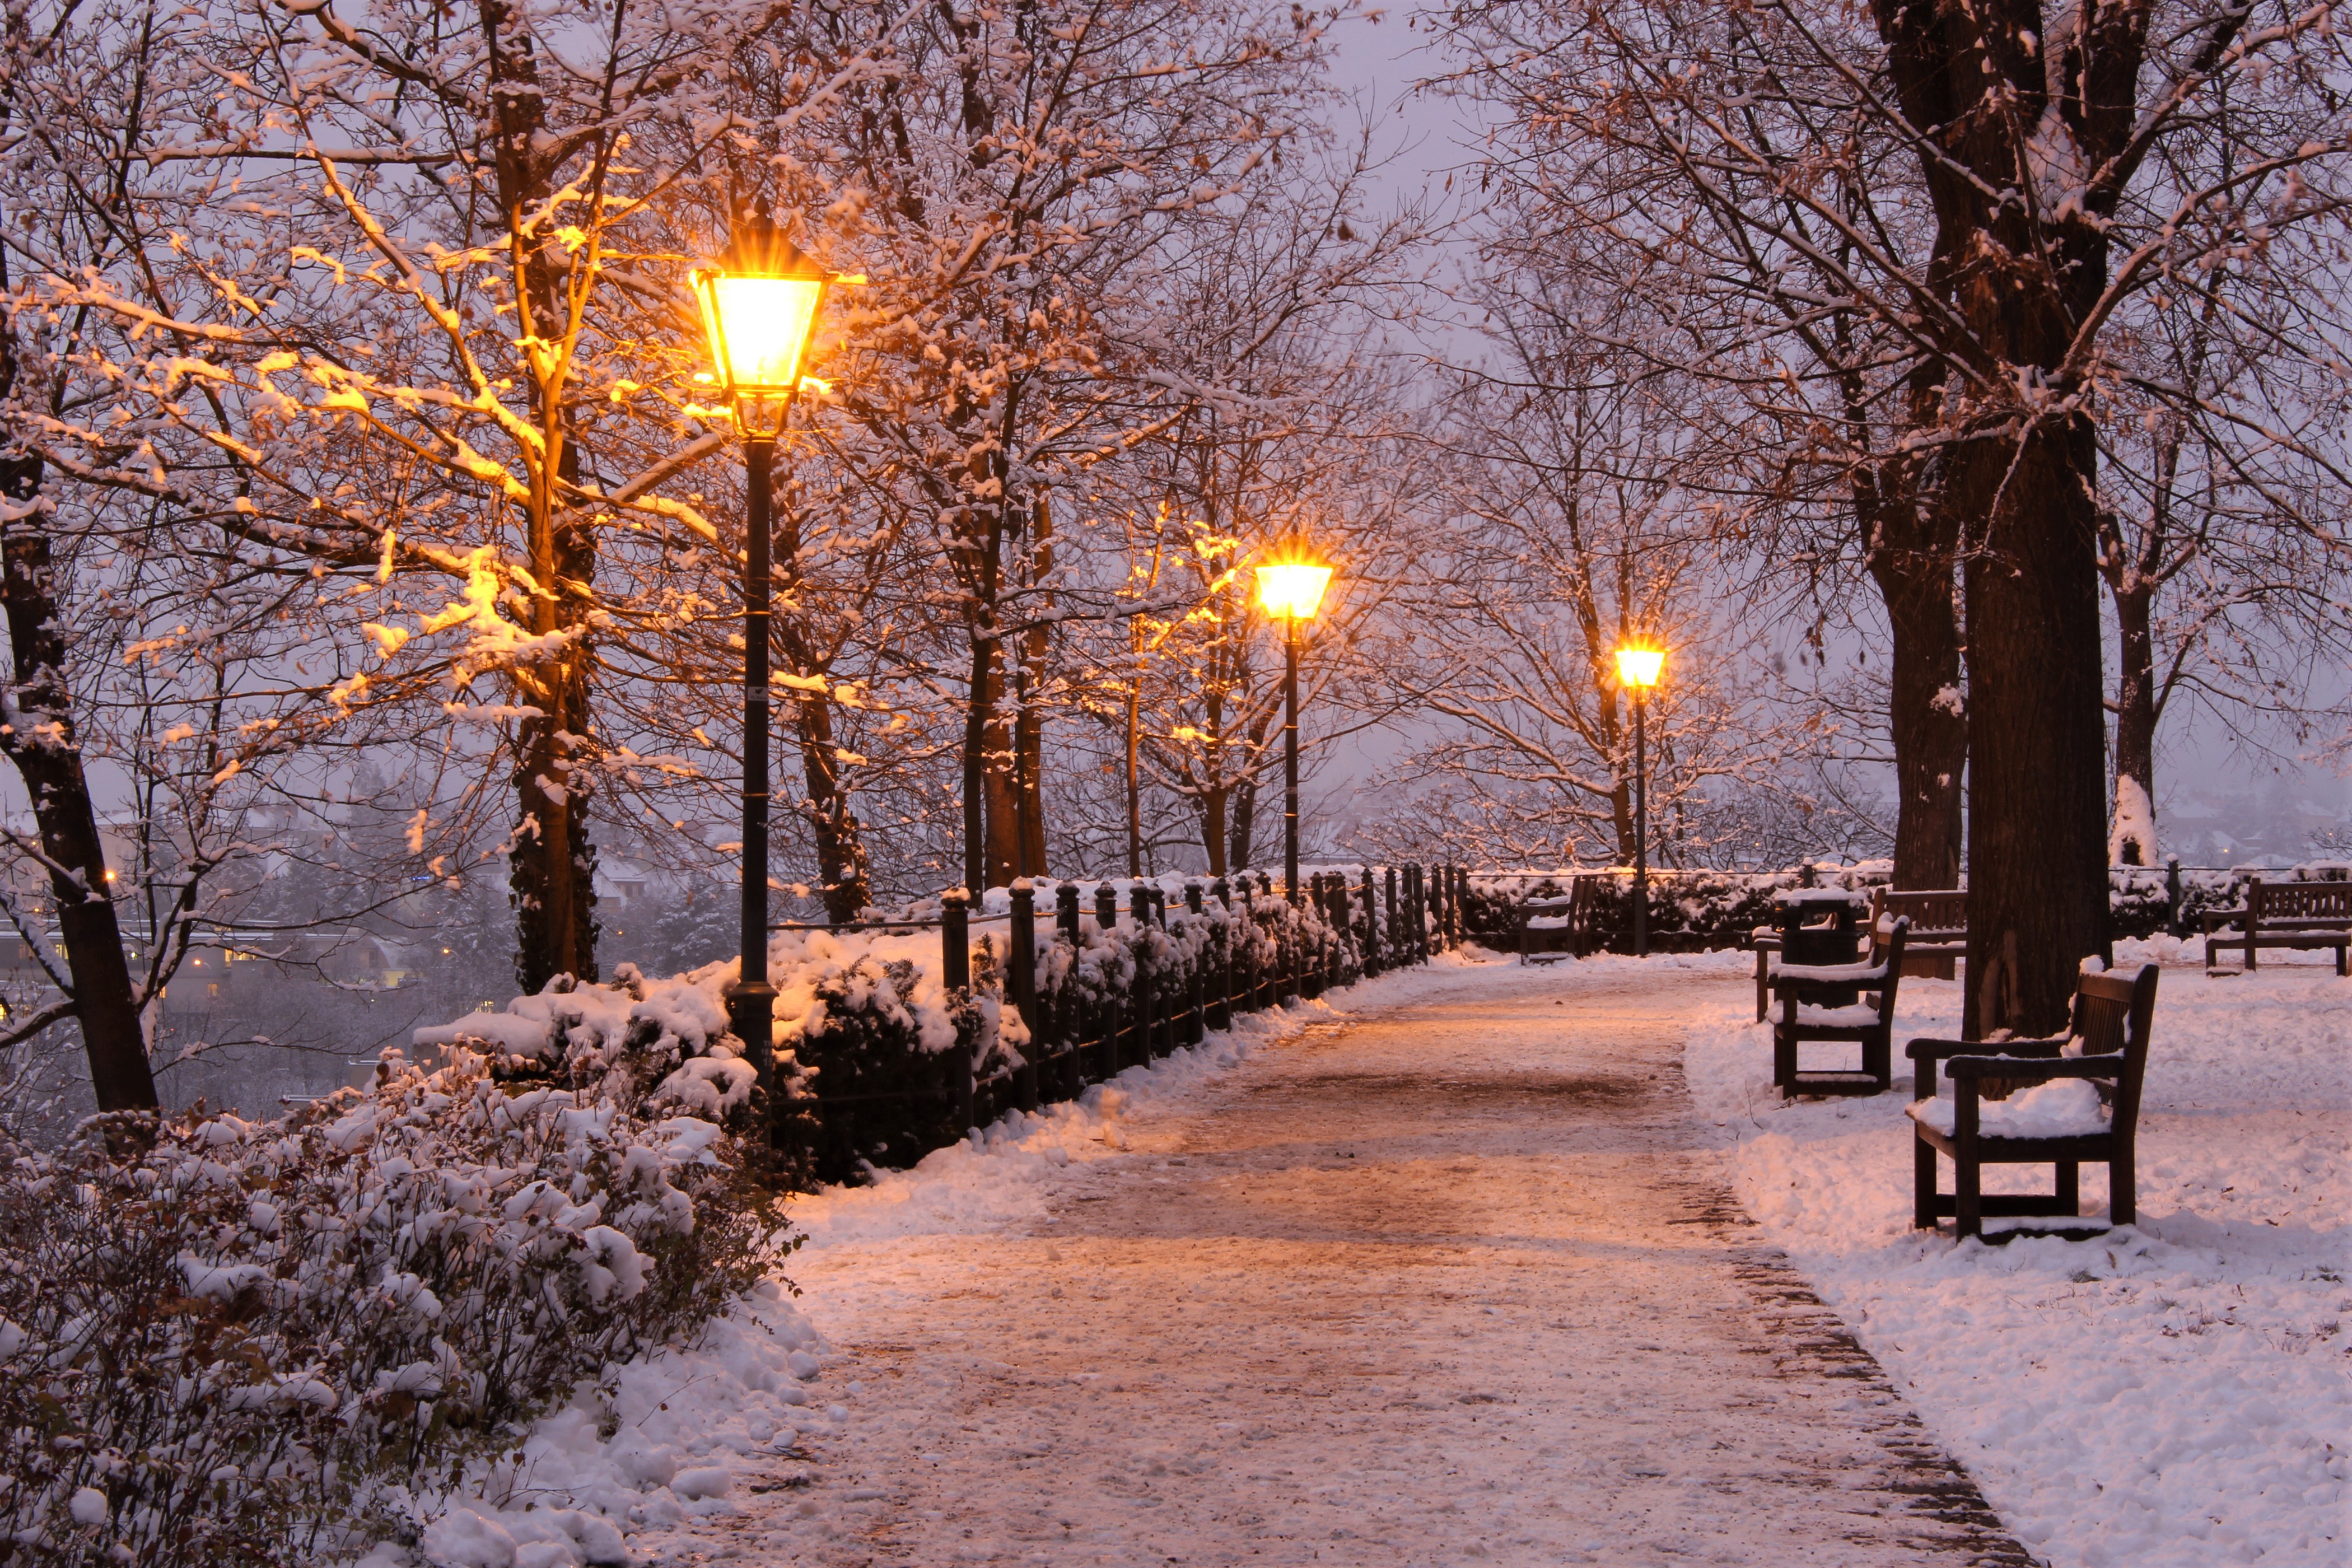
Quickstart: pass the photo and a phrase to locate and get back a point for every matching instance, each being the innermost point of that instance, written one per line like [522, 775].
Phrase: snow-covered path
[1453, 1282]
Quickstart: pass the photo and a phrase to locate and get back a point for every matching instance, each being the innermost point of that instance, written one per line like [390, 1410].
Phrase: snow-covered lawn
[2175, 1394]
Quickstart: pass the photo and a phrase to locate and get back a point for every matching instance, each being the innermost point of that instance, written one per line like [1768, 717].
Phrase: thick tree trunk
[2037, 817]
[1924, 715]
[39, 738]
[2132, 841]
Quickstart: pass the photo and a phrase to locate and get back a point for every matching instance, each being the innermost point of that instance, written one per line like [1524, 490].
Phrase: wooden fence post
[1065, 912]
[1197, 1029]
[1021, 987]
[955, 968]
[1372, 925]
[1113, 1010]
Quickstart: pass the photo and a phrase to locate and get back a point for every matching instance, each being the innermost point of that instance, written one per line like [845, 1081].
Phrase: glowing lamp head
[1292, 590]
[1640, 667]
[759, 312]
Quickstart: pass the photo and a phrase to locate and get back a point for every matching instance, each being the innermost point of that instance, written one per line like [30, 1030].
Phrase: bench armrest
[2216, 919]
[1965, 1070]
[1927, 1053]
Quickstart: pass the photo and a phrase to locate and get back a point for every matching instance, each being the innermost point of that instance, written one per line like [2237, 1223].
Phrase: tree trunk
[976, 726]
[1243, 820]
[38, 736]
[840, 840]
[1000, 789]
[2132, 841]
[2037, 816]
[553, 864]
[1928, 724]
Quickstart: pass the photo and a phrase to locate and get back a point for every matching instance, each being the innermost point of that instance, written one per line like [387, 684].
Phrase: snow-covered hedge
[871, 1043]
[226, 1342]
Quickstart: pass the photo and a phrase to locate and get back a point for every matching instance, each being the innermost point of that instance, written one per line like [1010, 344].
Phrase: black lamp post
[1638, 669]
[759, 310]
[1292, 590]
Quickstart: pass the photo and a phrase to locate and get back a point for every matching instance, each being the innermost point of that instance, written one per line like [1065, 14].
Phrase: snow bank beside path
[2171, 1395]
[693, 1430]
[1001, 1177]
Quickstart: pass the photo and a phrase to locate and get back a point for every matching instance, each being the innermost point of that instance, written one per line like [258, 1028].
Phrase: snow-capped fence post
[1371, 938]
[955, 972]
[1021, 987]
[1114, 1011]
[2172, 895]
[1419, 921]
[1066, 912]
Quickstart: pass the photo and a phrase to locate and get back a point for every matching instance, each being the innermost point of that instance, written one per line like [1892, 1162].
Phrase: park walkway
[1454, 1283]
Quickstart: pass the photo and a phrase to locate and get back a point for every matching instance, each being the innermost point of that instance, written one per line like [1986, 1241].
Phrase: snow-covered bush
[224, 1342]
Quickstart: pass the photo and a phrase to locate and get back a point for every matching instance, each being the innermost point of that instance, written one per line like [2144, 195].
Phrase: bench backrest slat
[1935, 913]
[2298, 900]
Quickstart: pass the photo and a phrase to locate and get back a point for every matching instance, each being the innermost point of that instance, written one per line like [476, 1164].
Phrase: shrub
[229, 1342]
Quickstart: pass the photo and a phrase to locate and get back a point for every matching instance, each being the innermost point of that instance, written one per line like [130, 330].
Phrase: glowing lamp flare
[1640, 666]
[1293, 590]
[758, 329]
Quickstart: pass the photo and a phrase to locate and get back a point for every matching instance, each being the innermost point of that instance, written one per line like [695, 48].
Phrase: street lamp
[1292, 590]
[759, 308]
[1639, 668]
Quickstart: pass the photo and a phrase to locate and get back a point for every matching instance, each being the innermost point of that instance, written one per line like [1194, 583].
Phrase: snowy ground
[2171, 1395]
[1452, 1273]
[1453, 1280]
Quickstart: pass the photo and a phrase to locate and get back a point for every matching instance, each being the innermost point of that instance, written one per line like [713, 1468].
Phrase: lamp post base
[751, 1015]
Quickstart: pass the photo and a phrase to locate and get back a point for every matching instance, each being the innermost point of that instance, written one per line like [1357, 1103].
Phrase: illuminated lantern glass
[1293, 590]
[758, 329]
[1640, 666]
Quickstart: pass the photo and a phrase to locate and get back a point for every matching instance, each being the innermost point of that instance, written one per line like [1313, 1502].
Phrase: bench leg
[2341, 950]
[1923, 1183]
[2070, 1187]
[2251, 960]
[2123, 1189]
[1763, 991]
[1968, 1198]
[1878, 1060]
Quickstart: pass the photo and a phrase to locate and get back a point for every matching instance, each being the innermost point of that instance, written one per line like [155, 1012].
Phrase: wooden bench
[2112, 1015]
[1939, 928]
[2285, 914]
[1810, 996]
[1565, 927]
[1546, 931]
[1799, 904]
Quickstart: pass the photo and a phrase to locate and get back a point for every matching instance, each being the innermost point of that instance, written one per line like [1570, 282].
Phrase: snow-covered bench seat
[1814, 1008]
[2061, 1120]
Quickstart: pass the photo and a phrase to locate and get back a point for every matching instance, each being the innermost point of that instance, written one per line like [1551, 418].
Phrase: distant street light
[759, 310]
[1639, 668]
[1294, 590]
